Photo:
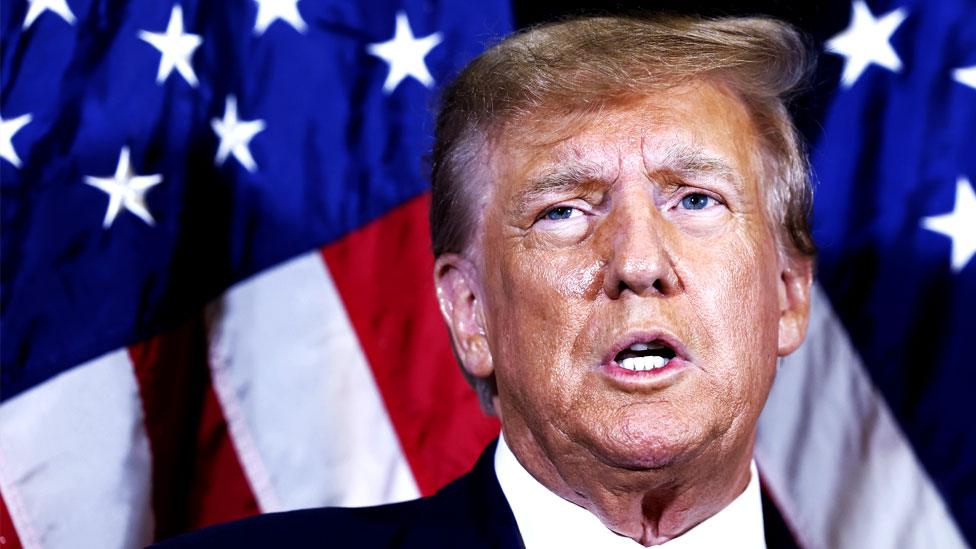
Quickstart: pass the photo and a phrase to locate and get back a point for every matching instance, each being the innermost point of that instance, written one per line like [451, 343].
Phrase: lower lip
[657, 376]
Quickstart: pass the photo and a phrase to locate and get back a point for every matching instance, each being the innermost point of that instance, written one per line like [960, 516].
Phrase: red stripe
[384, 274]
[8, 535]
[197, 478]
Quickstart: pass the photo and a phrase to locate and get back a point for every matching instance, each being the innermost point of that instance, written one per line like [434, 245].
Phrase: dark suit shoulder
[380, 526]
[469, 512]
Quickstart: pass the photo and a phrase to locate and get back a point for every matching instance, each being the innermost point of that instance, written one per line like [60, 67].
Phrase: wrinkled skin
[598, 229]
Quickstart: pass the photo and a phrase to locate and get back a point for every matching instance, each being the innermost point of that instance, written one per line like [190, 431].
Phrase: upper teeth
[646, 346]
[642, 363]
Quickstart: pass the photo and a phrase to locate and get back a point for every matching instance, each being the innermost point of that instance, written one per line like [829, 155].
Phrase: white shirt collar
[547, 520]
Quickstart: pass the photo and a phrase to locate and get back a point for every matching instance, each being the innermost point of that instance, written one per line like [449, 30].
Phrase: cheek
[738, 303]
[539, 305]
[546, 287]
[743, 285]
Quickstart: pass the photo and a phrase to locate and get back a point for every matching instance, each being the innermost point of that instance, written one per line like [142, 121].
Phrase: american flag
[867, 440]
[872, 419]
[216, 280]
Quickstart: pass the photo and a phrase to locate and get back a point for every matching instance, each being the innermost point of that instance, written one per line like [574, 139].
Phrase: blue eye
[560, 212]
[696, 201]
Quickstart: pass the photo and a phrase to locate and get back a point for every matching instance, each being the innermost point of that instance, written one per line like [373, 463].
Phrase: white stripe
[835, 459]
[75, 459]
[302, 406]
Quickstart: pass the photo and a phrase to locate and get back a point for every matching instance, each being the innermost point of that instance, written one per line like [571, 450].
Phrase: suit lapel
[488, 514]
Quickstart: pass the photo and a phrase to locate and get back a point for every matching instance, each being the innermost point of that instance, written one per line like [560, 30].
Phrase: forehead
[697, 122]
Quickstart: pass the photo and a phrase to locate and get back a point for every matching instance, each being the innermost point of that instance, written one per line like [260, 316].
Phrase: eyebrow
[563, 178]
[688, 162]
[572, 175]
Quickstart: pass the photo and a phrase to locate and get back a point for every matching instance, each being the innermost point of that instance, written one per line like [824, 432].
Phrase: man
[619, 219]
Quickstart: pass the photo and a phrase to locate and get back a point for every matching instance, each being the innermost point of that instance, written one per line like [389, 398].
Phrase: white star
[125, 190]
[865, 41]
[37, 7]
[176, 48]
[966, 76]
[8, 129]
[270, 11]
[959, 225]
[235, 136]
[405, 54]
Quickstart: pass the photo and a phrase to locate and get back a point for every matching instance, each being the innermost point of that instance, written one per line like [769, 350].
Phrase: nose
[637, 247]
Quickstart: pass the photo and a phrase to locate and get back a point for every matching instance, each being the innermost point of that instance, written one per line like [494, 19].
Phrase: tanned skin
[645, 221]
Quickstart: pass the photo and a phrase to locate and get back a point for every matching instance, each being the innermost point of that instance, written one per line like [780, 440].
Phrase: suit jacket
[470, 512]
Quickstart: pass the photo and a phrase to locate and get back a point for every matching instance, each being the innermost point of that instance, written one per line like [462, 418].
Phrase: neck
[650, 506]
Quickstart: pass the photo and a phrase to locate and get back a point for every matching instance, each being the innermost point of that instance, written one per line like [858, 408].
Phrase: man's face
[632, 293]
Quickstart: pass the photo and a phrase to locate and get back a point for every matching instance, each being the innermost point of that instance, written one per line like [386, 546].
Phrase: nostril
[658, 285]
[622, 287]
[640, 276]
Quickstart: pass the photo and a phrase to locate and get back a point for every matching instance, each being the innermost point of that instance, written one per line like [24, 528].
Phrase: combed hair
[587, 65]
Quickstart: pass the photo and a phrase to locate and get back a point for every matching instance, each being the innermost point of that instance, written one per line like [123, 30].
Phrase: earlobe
[794, 303]
[458, 292]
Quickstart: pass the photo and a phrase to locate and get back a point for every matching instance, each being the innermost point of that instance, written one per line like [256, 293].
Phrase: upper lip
[647, 336]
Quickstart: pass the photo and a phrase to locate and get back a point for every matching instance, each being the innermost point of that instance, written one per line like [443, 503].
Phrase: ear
[458, 293]
[794, 302]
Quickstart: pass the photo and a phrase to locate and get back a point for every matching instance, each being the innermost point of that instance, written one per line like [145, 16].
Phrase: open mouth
[645, 356]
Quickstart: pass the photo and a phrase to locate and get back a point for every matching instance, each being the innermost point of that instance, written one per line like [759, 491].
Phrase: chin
[649, 453]
[641, 443]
